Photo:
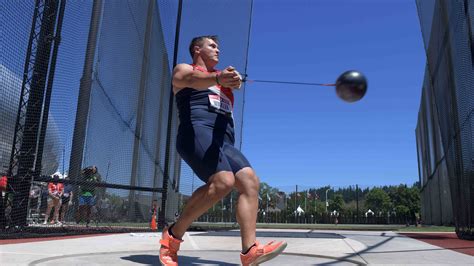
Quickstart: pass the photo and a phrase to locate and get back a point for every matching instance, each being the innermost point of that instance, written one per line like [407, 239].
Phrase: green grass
[331, 226]
[361, 227]
[427, 229]
[122, 224]
[141, 225]
[229, 226]
[366, 227]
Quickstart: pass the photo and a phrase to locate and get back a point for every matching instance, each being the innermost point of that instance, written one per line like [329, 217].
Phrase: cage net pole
[162, 214]
[83, 100]
[32, 112]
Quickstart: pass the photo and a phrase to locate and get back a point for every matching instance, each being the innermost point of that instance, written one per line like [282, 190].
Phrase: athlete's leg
[218, 186]
[253, 253]
[247, 184]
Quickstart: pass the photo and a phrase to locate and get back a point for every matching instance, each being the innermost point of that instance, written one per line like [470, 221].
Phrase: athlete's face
[209, 51]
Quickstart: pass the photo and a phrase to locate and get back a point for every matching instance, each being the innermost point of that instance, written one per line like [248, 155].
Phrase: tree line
[401, 200]
[351, 204]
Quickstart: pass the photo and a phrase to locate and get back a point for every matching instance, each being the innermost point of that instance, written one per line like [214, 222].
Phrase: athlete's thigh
[198, 149]
[236, 158]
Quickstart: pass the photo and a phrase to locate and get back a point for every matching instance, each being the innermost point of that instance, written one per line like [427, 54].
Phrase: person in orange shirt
[3, 183]
[3, 200]
[55, 191]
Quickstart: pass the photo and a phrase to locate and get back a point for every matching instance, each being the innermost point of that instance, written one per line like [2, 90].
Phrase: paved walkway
[305, 247]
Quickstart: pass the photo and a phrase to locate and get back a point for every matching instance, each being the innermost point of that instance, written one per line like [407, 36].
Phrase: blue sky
[306, 135]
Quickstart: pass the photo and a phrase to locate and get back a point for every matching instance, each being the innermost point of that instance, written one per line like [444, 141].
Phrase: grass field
[228, 226]
[428, 229]
[362, 227]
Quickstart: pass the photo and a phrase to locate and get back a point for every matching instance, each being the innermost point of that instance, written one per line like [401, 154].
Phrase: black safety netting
[447, 141]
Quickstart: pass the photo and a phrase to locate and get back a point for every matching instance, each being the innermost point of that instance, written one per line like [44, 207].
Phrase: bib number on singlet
[220, 104]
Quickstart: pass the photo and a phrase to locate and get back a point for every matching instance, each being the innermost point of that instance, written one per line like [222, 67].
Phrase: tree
[351, 207]
[406, 200]
[402, 210]
[268, 195]
[378, 200]
[320, 207]
[337, 204]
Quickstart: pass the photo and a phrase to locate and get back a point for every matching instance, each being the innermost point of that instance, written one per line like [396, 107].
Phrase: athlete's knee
[247, 181]
[221, 184]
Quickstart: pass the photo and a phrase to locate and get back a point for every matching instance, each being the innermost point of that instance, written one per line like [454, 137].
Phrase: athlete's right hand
[229, 78]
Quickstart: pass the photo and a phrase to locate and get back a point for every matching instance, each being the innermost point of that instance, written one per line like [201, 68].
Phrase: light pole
[327, 199]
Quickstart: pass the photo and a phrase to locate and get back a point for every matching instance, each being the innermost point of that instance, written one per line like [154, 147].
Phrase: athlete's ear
[196, 49]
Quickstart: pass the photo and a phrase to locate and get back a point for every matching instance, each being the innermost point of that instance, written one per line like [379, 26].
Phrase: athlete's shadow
[183, 260]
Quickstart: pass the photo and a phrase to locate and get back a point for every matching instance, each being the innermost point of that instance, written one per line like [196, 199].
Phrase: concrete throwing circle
[186, 257]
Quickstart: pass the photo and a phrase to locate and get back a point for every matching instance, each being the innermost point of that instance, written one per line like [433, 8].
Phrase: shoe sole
[270, 255]
[161, 263]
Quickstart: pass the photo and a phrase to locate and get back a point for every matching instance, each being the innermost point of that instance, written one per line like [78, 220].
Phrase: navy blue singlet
[206, 135]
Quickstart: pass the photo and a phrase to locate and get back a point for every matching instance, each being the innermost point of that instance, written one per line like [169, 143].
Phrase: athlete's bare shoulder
[182, 67]
[179, 73]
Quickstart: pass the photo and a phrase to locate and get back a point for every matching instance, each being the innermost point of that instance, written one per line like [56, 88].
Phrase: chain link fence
[88, 119]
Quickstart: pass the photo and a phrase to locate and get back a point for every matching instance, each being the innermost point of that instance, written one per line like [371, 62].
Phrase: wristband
[217, 80]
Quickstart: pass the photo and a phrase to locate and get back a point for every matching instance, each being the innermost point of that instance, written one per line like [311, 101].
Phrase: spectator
[55, 192]
[3, 200]
[66, 199]
[8, 201]
[87, 193]
[3, 183]
[34, 205]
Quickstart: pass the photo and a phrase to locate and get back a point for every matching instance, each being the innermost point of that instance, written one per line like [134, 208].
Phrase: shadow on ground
[183, 260]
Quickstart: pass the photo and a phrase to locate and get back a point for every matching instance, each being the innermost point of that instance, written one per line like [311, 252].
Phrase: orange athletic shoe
[169, 249]
[261, 253]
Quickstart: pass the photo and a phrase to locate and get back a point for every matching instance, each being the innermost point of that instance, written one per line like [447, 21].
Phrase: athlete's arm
[185, 76]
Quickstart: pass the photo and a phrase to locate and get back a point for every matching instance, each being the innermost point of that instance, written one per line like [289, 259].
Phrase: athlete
[205, 141]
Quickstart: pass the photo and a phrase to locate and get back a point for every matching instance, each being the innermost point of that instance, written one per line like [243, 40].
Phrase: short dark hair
[197, 41]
